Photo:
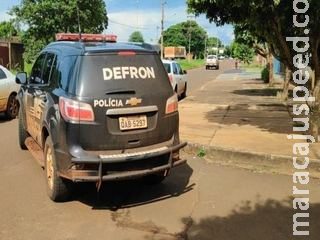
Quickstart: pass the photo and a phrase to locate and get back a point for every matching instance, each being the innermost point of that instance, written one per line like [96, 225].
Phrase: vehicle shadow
[4, 118]
[267, 220]
[127, 194]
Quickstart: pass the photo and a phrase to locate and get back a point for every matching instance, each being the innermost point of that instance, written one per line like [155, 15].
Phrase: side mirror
[184, 72]
[21, 78]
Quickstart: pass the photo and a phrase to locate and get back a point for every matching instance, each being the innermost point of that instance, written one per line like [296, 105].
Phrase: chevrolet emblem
[133, 101]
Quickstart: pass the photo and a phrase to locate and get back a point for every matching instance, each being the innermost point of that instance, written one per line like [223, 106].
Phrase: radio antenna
[79, 24]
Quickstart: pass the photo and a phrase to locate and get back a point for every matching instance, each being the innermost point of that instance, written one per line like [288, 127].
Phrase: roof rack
[86, 37]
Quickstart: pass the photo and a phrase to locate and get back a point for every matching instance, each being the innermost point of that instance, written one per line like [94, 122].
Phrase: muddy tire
[58, 189]
[12, 107]
[23, 134]
[154, 179]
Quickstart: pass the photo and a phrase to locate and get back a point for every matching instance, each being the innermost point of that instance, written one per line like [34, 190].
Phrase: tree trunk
[286, 84]
[270, 68]
[315, 86]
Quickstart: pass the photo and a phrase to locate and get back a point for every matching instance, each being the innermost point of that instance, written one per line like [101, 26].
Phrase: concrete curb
[253, 160]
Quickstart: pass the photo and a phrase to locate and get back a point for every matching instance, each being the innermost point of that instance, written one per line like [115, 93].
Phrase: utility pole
[162, 26]
[205, 47]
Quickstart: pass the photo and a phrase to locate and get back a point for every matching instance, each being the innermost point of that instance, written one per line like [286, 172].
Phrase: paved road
[199, 77]
[198, 201]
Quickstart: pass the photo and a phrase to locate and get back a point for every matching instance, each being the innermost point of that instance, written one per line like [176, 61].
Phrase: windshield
[102, 73]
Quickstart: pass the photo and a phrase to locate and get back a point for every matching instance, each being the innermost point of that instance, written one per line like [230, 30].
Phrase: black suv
[94, 111]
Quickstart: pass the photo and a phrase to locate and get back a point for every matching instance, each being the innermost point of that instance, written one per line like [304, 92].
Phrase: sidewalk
[238, 113]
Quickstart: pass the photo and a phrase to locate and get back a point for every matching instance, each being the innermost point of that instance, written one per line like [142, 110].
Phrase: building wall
[17, 56]
[4, 56]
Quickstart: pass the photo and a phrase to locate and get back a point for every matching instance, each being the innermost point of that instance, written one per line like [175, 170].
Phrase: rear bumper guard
[98, 176]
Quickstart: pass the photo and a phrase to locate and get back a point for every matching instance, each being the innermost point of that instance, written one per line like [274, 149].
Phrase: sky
[126, 16]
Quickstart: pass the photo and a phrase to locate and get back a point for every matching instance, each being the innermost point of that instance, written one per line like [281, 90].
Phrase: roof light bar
[86, 37]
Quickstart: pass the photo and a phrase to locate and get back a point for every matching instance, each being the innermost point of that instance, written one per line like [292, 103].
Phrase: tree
[45, 18]
[213, 43]
[136, 37]
[244, 34]
[7, 30]
[273, 19]
[181, 33]
[242, 52]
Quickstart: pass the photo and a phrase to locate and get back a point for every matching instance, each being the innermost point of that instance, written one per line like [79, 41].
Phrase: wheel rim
[13, 107]
[49, 163]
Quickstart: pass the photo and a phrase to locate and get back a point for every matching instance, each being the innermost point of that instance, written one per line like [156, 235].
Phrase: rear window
[167, 66]
[103, 73]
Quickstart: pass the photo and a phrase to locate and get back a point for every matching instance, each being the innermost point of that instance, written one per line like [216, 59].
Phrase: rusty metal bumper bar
[98, 176]
[126, 175]
[129, 157]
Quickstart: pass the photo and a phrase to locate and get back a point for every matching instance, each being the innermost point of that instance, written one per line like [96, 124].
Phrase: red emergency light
[86, 37]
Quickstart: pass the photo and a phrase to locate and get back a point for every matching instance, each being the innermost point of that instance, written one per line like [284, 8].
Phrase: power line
[126, 25]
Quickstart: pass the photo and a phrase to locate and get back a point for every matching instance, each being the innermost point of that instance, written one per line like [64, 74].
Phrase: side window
[36, 73]
[66, 69]
[2, 74]
[48, 63]
[175, 69]
[167, 66]
[179, 69]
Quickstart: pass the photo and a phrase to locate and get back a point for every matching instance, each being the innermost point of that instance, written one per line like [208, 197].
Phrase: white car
[8, 92]
[177, 77]
[212, 61]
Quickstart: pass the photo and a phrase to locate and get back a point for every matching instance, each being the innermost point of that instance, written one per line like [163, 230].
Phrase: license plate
[133, 122]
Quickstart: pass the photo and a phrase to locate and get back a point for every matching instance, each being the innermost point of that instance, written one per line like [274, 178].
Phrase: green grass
[194, 63]
[27, 69]
[252, 68]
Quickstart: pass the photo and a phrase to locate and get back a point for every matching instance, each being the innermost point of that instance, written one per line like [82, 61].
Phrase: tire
[12, 107]
[23, 134]
[184, 94]
[58, 189]
[154, 179]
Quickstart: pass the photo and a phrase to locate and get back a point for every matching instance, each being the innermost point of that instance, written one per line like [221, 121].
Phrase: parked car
[95, 110]
[212, 61]
[177, 77]
[8, 92]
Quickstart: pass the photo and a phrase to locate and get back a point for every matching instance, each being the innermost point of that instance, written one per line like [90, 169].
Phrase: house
[11, 53]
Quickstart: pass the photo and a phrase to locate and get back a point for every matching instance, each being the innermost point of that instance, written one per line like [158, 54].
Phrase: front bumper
[102, 162]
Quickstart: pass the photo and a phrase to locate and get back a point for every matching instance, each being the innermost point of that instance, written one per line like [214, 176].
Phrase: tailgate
[128, 94]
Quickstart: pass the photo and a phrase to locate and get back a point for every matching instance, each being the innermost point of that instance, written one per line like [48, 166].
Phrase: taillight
[172, 104]
[74, 111]
[170, 78]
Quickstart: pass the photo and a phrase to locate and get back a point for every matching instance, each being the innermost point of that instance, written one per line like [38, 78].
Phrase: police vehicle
[95, 110]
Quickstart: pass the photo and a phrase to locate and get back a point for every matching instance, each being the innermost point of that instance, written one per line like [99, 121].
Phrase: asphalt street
[199, 200]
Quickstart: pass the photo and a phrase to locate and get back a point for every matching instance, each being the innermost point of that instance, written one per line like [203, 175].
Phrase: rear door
[178, 74]
[128, 92]
[4, 91]
[31, 91]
